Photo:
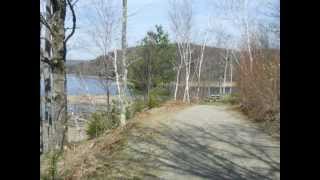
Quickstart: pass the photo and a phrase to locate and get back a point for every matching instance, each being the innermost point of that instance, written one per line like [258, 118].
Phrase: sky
[143, 16]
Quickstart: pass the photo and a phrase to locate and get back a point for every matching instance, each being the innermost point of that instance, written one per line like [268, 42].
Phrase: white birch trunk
[117, 75]
[179, 70]
[177, 82]
[200, 64]
[231, 73]
[47, 124]
[225, 76]
[124, 63]
[186, 97]
[120, 100]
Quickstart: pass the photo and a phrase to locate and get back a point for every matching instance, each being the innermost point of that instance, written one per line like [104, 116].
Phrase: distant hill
[95, 66]
[212, 67]
[74, 62]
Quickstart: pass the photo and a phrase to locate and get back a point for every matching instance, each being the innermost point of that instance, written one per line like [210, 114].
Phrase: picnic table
[213, 97]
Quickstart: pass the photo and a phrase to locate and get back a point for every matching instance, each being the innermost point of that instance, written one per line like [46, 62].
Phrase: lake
[89, 85]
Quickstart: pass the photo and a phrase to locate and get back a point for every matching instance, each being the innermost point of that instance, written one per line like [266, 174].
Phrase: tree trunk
[46, 75]
[41, 110]
[186, 97]
[124, 62]
[248, 42]
[225, 76]
[181, 53]
[231, 69]
[117, 75]
[200, 65]
[108, 98]
[59, 95]
[149, 75]
[177, 82]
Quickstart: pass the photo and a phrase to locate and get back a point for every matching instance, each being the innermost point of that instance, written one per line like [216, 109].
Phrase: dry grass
[259, 86]
[96, 99]
[85, 159]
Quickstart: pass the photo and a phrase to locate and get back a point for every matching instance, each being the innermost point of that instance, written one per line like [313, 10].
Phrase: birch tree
[124, 74]
[238, 12]
[103, 26]
[180, 15]
[203, 46]
[55, 56]
[223, 41]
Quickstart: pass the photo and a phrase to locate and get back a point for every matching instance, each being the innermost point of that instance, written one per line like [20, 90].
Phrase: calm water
[89, 85]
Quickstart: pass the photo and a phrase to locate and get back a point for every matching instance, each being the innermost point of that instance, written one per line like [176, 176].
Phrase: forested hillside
[213, 62]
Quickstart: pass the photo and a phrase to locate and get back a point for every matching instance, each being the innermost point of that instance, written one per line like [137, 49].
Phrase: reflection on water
[88, 85]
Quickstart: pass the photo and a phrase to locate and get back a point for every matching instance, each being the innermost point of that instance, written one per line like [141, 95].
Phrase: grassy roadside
[109, 156]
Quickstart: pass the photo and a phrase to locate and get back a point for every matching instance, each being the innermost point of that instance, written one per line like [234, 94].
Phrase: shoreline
[87, 99]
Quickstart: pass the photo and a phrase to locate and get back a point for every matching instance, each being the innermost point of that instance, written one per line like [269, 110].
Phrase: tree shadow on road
[196, 151]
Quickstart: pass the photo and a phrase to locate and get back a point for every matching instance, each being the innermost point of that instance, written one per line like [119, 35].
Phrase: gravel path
[206, 142]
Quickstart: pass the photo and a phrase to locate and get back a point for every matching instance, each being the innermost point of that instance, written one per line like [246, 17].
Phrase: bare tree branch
[45, 23]
[74, 20]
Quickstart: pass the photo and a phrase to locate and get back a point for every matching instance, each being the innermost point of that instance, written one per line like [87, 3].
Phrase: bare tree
[238, 11]
[273, 12]
[224, 40]
[203, 46]
[104, 21]
[181, 16]
[178, 70]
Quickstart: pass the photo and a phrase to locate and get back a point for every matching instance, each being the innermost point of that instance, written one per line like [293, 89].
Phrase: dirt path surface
[179, 142]
[206, 142]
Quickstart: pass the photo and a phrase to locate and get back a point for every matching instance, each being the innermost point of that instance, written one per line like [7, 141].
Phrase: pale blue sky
[148, 13]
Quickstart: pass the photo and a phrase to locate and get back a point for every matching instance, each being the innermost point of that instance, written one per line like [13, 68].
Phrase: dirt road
[181, 142]
[206, 142]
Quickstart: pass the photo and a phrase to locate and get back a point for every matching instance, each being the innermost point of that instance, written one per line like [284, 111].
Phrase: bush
[115, 112]
[229, 98]
[161, 92]
[52, 170]
[100, 122]
[129, 112]
[138, 106]
[157, 96]
[153, 101]
[96, 125]
[258, 84]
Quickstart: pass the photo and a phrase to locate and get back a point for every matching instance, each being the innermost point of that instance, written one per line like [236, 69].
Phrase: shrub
[153, 101]
[96, 125]
[161, 92]
[157, 96]
[229, 98]
[258, 83]
[100, 122]
[114, 113]
[138, 106]
[129, 112]
[51, 171]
